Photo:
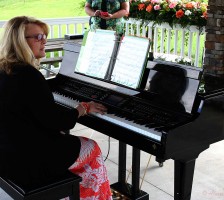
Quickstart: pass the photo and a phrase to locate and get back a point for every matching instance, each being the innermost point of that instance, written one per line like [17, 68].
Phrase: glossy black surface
[185, 133]
[148, 108]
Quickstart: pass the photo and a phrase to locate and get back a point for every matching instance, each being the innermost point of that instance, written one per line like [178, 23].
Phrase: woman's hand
[109, 16]
[97, 108]
[85, 108]
[124, 11]
[97, 13]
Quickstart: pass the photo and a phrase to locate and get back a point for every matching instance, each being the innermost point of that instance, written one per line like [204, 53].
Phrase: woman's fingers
[97, 107]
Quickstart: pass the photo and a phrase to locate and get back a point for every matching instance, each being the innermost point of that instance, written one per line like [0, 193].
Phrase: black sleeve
[41, 103]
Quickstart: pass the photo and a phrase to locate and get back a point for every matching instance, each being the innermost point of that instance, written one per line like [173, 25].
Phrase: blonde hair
[14, 48]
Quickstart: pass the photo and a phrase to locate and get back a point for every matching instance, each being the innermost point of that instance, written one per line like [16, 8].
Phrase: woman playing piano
[31, 140]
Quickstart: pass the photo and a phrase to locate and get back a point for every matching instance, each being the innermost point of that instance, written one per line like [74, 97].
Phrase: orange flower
[189, 5]
[149, 8]
[141, 6]
[205, 14]
[179, 13]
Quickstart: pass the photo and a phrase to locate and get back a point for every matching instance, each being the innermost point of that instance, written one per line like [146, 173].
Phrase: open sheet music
[107, 56]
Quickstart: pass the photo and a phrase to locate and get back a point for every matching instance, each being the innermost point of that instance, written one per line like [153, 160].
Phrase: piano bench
[59, 188]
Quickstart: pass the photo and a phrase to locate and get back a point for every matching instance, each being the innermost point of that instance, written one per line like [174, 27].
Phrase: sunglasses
[38, 37]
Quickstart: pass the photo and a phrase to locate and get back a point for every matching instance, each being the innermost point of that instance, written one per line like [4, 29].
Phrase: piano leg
[123, 189]
[122, 165]
[135, 171]
[183, 175]
[160, 161]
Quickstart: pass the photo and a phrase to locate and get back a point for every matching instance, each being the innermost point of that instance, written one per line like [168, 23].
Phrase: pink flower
[155, 1]
[172, 4]
[157, 7]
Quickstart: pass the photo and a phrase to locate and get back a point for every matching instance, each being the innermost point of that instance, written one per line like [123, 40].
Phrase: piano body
[138, 117]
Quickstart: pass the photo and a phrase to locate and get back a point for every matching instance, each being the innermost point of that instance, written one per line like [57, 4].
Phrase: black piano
[174, 114]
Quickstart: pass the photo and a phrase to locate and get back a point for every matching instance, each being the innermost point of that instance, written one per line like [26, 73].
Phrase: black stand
[110, 68]
[130, 191]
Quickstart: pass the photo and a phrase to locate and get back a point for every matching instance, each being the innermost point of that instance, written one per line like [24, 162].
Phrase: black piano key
[151, 125]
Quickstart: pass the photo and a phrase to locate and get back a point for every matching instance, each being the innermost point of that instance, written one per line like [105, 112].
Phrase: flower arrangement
[183, 12]
[173, 58]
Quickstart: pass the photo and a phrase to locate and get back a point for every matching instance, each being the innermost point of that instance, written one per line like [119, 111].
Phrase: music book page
[95, 55]
[121, 61]
[130, 62]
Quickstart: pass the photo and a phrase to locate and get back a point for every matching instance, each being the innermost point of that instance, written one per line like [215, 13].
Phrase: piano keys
[149, 120]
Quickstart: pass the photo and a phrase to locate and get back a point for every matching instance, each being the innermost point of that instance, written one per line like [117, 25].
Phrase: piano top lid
[211, 86]
[174, 85]
[191, 72]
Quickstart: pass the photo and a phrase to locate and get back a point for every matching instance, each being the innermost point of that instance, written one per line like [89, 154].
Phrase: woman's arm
[90, 11]
[43, 107]
[124, 11]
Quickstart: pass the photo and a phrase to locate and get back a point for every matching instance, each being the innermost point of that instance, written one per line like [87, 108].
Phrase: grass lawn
[41, 8]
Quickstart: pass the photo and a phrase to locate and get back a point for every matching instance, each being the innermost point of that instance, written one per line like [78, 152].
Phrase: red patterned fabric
[90, 166]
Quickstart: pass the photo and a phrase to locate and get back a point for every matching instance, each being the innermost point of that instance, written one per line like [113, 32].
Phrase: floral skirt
[90, 166]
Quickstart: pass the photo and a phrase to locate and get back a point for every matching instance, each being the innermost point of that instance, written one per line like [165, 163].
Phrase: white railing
[172, 42]
[61, 26]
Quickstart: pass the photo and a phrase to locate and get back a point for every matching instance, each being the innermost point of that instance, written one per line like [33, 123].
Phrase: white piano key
[141, 129]
[67, 101]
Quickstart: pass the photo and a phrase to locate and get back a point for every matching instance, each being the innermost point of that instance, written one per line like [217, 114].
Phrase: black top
[30, 123]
